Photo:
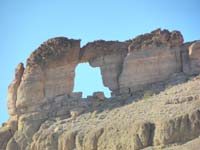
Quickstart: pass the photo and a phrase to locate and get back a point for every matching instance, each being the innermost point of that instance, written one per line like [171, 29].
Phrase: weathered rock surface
[149, 122]
[12, 89]
[152, 57]
[109, 56]
[194, 53]
[153, 105]
[49, 72]
[5, 135]
[156, 38]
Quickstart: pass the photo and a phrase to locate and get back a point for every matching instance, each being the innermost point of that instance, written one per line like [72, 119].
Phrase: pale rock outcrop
[152, 57]
[5, 135]
[139, 136]
[67, 141]
[194, 54]
[180, 129]
[91, 139]
[12, 90]
[109, 56]
[185, 59]
[49, 72]
[12, 145]
[46, 114]
[150, 122]
[157, 38]
[28, 124]
[31, 89]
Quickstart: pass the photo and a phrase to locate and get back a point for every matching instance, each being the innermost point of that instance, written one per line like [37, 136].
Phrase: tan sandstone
[154, 104]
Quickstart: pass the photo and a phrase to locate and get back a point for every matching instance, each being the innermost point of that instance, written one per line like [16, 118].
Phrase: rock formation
[12, 89]
[109, 56]
[45, 113]
[49, 71]
[152, 57]
[194, 52]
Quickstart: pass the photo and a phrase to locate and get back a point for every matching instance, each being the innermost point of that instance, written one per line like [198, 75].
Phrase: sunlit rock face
[194, 54]
[152, 57]
[46, 114]
[153, 65]
[12, 89]
[109, 56]
[49, 71]
[191, 57]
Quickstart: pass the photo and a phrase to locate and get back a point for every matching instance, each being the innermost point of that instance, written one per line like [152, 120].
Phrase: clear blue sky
[25, 24]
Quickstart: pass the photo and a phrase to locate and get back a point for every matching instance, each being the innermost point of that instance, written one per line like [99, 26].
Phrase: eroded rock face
[146, 67]
[49, 71]
[152, 57]
[12, 89]
[157, 38]
[185, 59]
[5, 135]
[109, 56]
[150, 122]
[180, 129]
[194, 54]
[46, 114]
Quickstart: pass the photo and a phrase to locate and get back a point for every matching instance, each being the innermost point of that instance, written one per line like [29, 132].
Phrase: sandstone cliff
[155, 99]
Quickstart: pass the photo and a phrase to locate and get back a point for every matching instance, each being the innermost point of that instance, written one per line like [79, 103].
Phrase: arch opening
[89, 80]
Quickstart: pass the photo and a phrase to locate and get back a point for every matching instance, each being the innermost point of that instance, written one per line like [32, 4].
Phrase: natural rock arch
[50, 69]
[89, 80]
[43, 90]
